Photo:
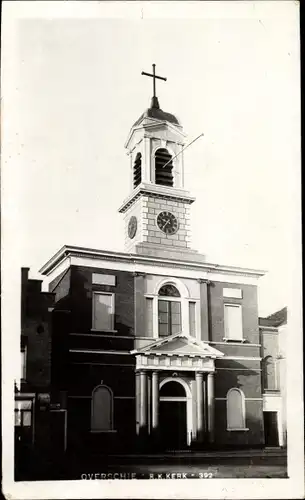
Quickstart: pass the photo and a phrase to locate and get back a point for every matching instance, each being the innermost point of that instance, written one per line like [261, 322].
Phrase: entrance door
[271, 428]
[173, 424]
[173, 416]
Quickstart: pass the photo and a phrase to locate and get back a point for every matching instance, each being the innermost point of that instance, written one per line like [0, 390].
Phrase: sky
[72, 88]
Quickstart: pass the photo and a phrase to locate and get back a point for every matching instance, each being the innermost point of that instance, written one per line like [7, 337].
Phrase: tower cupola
[157, 208]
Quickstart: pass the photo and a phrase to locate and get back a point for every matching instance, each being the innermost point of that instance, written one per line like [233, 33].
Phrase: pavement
[179, 465]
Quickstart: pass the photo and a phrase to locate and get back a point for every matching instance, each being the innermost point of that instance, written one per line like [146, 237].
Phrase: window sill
[238, 430]
[103, 331]
[242, 341]
[104, 432]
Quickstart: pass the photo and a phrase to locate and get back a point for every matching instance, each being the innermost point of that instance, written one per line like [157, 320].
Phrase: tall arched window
[236, 414]
[169, 310]
[163, 168]
[137, 170]
[268, 372]
[102, 409]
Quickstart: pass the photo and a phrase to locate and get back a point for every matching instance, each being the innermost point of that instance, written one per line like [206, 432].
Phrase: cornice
[89, 253]
[152, 124]
[155, 192]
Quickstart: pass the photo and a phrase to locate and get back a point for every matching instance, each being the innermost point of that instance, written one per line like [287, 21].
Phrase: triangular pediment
[181, 345]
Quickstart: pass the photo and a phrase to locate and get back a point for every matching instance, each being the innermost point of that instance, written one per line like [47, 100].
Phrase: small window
[269, 373]
[192, 318]
[102, 409]
[23, 363]
[23, 413]
[163, 168]
[235, 410]
[103, 311]
[137, 170]
[233, 322]
[149, 317]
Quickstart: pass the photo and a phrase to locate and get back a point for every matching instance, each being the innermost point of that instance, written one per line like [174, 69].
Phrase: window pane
[163, 318]
[17, 417]
[192, 316]
[233, 322]
[163, 330]
[149, 317]
[163, 305]
[176, 319]
[26, 418]
[103, 314]
[176, 307]
[176, 329]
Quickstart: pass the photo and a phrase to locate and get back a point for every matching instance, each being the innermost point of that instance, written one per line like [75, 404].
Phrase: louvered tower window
[137, 170]
[164, 175]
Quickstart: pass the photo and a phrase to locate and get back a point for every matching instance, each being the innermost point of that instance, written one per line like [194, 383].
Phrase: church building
[154, 347]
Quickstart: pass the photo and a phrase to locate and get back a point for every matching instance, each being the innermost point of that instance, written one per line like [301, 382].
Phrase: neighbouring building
[32, 393]
[273, 335]
[154, 347]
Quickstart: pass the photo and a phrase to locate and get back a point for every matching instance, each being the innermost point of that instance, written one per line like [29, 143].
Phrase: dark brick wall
[249, 381]
[81, 299]
[216, 303]
[36, 334]
[254, 422]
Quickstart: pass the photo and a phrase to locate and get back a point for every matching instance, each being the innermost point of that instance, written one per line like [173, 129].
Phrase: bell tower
[157, 210]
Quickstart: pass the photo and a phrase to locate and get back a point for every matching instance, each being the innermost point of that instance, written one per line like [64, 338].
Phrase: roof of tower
[155, 112]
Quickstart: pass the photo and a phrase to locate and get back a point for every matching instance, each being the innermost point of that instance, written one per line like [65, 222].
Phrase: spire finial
[154, 100]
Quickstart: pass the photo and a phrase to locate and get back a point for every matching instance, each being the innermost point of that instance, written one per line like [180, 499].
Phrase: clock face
[167, 222]
[132, 227]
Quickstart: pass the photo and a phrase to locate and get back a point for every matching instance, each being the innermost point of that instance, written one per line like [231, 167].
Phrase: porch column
[155, 401]
[199, 387]
[210, 397]
[143, 401]
[138, 389]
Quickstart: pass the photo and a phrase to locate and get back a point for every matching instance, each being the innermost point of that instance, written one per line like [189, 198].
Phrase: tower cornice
[155, 190]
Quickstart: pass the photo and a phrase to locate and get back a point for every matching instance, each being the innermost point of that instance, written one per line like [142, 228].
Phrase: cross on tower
[155, 103]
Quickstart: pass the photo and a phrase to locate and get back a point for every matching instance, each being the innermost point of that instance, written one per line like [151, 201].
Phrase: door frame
[187, 398]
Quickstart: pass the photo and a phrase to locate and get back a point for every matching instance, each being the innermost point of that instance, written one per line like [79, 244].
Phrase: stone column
[138, 388]
[155, 401]
[143, 402]
[199, 388]
[210, 398]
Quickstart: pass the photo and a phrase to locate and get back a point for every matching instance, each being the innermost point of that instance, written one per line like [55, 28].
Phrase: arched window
[169, 310]
[268, 372]
[163, 168]
[102, 409]
[137, 170]
[236, 410]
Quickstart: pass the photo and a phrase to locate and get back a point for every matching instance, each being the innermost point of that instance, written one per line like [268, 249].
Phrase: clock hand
[165, 223]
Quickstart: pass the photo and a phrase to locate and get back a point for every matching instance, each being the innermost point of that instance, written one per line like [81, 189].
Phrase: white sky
[73, 88]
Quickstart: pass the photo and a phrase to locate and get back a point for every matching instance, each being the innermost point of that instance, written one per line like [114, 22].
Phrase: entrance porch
[175, 392]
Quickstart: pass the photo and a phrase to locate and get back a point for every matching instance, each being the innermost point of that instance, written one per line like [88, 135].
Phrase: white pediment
[179, 345]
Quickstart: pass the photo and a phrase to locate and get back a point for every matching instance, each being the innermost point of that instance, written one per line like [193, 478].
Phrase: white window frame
[169, 299]
[235, 339]
[243, 409]
[112, 295]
